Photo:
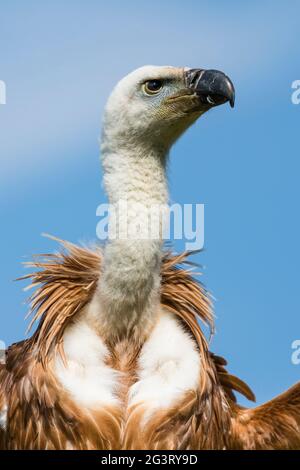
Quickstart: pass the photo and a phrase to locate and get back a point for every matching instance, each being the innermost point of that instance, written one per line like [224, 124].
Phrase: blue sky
[60, 59]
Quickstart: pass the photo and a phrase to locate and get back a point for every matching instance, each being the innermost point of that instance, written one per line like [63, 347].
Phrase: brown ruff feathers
[41, 415]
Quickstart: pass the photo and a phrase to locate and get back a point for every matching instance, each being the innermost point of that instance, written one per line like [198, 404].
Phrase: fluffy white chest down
[3, 417]
[168, 366]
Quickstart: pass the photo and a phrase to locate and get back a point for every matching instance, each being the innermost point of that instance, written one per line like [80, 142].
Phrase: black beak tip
[223, 86]
[230, 92]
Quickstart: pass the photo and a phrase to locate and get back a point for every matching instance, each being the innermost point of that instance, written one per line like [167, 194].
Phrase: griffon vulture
[118, 359]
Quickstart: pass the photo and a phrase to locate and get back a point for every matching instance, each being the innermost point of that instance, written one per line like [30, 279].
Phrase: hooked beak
[211, 86]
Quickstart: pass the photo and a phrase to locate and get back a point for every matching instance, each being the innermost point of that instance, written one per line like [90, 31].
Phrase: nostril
[193, 76]
[194, 80]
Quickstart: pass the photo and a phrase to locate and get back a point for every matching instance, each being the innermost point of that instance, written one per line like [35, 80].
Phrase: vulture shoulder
[273, 425]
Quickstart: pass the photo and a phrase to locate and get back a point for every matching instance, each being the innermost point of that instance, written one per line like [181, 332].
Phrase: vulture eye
[151, 87]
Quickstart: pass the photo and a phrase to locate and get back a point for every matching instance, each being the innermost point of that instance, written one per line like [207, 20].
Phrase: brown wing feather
[273, 425]
[230, 382]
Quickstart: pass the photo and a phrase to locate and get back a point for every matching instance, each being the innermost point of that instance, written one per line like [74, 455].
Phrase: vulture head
[157, 104]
